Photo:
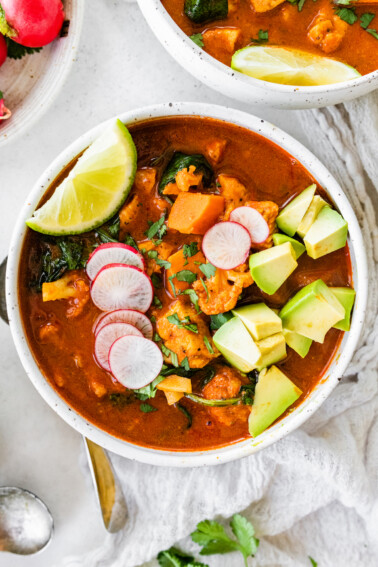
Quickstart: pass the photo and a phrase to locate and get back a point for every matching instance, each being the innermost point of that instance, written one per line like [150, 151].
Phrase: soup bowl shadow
[310, 404]
[241, 87]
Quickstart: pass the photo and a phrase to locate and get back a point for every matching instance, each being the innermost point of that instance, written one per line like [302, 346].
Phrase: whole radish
[32, 23]
[3, 49]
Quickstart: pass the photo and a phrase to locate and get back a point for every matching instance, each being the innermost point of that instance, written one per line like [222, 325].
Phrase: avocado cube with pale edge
[274, 393]
[272, 349]
[312, 311]
[346, 296]
[328, 233]
[312, 212]
[259, 319]
[297, 342]
[299, 248]
[237, 346]
[290, 217]
[271, 267]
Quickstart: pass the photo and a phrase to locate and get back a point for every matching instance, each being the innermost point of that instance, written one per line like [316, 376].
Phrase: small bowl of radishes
[37, 45]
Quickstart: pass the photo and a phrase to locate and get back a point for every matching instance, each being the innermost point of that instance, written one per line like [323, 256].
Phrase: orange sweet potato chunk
[179, 262]
[195, 213]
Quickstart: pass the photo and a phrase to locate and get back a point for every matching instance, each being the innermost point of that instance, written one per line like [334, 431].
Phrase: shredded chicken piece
[184, 180]
[327, 31]
[234, 193]
[226, 384]
[226, 39]
[49, 333]
[269, 210]
[77, 303]
[97, 388]
[215, 151]
[223, 290]
[183, 342]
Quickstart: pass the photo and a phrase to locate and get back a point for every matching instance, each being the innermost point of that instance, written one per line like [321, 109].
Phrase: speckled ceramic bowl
[309, 405]
[241, 87]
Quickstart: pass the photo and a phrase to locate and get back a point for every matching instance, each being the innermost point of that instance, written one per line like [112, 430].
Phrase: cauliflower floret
[226, 39]
[184, 180]
[269, 210]
[183, 342]
[73, 287]
[226, 384]
[327, 31]
[234, 193]
[223, 290]
[49, 333]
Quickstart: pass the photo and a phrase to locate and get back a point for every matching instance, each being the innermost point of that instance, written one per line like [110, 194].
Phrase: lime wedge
[290, 66]
[95, 188]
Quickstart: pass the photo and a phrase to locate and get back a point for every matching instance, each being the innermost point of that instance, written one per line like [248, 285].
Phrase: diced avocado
[271, 267]
[297, 342]
[200, 11]
[259, 319]
[237, 346]
[272, 349]
[328, 233]
[290, 217]
[278, 239]
[312, 311]
[346, 296]
[312, 212]
[273, 395]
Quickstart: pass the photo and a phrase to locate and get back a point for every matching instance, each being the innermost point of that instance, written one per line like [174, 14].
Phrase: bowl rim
[156, 8]
[318, 395]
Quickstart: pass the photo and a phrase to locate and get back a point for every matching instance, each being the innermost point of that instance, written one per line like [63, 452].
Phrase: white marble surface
[120, 65]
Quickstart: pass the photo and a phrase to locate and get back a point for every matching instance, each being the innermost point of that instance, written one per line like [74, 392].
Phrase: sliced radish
[106, 337]
[253, 221]
[118, 286]
[226, 245]
[113, 253]
[135, 361]
[139, 320]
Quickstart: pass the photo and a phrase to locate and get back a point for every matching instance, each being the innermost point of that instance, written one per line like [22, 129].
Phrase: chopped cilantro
[366, 19]
[150, 390]
[158, 228]
[190, 249]
[170, 279]
[156, 281]
[193, 298]
[313, 562]
[157, 337]
[152, 254]
[198, 39]
[208, 345]
[262, 37]
[374, 33]
[185, 363]
[146, 408]
[183, 324]
[348, 15]
[207, 291]
[163, 263]
[216, 321]
[188, 417]
[157, 302]
[129, 240]
[169, 353]
[208, 270]
[186, 276]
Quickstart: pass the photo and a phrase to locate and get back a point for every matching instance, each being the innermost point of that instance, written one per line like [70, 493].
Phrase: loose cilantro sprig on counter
[175, 558]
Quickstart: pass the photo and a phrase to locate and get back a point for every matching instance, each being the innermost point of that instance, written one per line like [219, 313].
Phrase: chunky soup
[193, 298]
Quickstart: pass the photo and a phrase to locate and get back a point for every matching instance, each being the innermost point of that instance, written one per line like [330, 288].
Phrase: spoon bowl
[26, 525]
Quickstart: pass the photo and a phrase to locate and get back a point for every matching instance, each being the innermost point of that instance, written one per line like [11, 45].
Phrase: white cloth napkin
[316, 491]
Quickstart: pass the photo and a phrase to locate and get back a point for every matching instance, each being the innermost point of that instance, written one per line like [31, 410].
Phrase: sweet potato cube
[175, 384]
[173, 397]
[265, 5]
[195, 213]
[179, 262]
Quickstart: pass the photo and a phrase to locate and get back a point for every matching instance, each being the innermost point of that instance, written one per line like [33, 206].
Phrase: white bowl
[241, 87]
[309, 405]
[31, 84]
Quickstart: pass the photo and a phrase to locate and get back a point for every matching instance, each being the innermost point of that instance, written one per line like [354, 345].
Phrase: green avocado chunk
[299, 248]
[290, 217]
[328, 233]
[200, 11]
[237, 346]
[312, 212]
[346, 296]
[271, 267]
[272, 349]
[274, 393]
[312, 311]
[260, 320]
[297, 342]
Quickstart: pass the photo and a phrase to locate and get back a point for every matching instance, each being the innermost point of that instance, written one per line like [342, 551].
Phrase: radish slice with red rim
[226, 245]
[135, 361]
[106, 337]
[139, 320]
[113, 253]
[118, 286]
[253, 221]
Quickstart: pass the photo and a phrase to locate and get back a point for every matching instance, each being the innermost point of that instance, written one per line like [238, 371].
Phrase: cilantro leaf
[190, 250]
[198, 39]
[185, 363]
[163, 263]
[156, 301]
[216, 321]
[313, 562]
[158, 228]
[183, 324]
[156, 281]
[150, 390]
[207, 291]
[366, 19]
[262, 37]
[193, 298]
[244, 532]
[175, 558]
[208, 270]
[186, 276]
[348, 15]
[187, 415]
[208, 345]
[146, 408]
[169, 353]
[17, 51]
[374, 33]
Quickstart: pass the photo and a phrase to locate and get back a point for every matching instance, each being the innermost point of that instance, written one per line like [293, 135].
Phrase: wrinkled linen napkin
[314, 492]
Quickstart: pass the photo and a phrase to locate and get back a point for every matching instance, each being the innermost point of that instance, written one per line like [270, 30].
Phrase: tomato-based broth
[348, 34]
[60, 332]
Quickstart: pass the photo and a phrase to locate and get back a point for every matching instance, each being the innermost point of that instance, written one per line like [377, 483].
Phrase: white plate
[30, 84]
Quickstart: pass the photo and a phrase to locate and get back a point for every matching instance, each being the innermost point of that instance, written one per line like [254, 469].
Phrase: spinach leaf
[181, 161]
[200, 11]
[109, 232]
[146, 408]
[69, 256]
[187, 415]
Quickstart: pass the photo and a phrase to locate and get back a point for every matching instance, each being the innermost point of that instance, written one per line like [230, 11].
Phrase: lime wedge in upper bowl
[95, 188]
[290, 66]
